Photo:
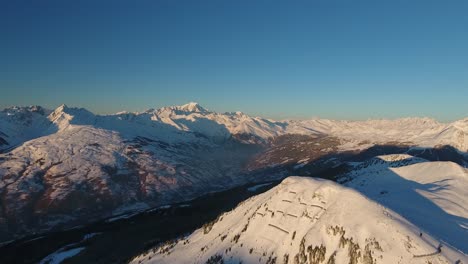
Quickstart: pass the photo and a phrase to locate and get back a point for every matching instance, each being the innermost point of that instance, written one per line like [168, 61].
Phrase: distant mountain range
[19, 124]
[69, 167]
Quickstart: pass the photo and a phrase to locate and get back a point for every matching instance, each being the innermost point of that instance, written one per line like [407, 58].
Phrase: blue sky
[278, 59]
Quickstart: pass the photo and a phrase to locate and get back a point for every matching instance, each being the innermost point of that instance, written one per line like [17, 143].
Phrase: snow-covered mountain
[306, 220]
[192, 117]
[69, 166]
[82, 167]
[423, 132]
[19, 124]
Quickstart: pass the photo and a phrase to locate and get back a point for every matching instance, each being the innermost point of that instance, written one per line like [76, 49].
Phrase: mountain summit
[192, 107]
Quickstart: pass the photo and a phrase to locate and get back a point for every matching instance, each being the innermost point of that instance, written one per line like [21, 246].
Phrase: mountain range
[67, 167]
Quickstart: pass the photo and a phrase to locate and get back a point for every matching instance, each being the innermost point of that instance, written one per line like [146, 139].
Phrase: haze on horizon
[276, 59]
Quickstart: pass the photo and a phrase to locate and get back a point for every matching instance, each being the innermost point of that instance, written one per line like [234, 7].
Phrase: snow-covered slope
[432, 195]
[305, 220]
[85, 173]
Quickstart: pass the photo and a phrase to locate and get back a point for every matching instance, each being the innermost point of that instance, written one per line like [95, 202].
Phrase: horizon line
[97, 113]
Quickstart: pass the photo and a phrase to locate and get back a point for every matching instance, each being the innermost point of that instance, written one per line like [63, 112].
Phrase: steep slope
[432, 195]
[305, 220]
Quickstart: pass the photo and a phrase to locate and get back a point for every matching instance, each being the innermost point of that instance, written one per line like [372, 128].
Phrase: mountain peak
[65, 115]
[192, 107]
[61, 108]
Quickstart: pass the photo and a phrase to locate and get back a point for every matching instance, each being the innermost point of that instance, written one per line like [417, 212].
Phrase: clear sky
[345, 59]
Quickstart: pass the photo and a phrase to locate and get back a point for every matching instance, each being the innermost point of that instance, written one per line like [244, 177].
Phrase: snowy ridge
[424, 132]
[194, 119]
[305, 220]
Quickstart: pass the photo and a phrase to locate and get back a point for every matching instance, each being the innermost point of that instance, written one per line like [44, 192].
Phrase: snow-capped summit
[63, 116]
[72, 111]
[186, 109]
[192, 107]
[194, 118]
